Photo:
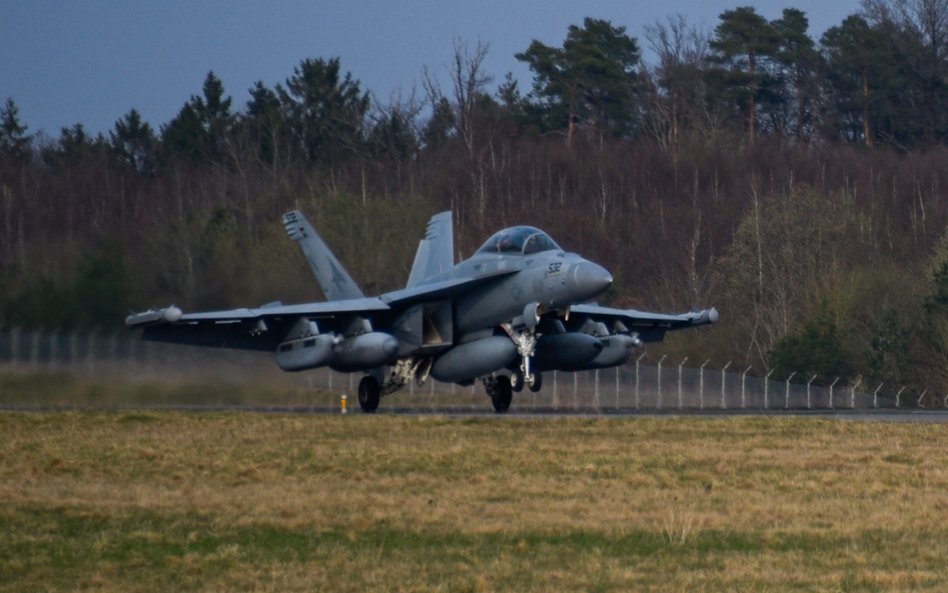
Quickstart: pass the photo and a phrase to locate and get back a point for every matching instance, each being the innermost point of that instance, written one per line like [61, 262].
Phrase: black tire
[369, 394]
[537, 382]
[516, 380]
[503, 394]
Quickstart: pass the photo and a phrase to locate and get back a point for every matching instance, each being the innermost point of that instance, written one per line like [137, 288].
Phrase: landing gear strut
[526, 342]
[369, 394]
[518, 381]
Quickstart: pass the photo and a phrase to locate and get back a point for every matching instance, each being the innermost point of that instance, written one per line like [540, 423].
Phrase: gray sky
[90, 61]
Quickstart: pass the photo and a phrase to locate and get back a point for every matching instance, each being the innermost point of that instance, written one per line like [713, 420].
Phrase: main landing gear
[371, 389]
[500, 392]
[369, 394]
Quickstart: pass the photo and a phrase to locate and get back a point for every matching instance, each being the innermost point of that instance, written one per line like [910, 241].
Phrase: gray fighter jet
[512, 311]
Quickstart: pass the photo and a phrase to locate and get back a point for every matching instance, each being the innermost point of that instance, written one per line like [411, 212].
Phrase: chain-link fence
[119, 370]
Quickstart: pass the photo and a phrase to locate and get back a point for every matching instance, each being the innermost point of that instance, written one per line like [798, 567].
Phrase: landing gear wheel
[369, 394]
[502, 394]
[516, 380]
[537, 384]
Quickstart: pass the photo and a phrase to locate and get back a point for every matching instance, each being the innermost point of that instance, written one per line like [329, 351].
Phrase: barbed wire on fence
[633, 386]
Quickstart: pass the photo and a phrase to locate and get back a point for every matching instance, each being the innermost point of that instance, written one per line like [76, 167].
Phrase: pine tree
[799, 63]
[199, 132]
[591, 81]
[861, 70]
[134, 141]
[744, 47]
[326, 112]
[15, 143]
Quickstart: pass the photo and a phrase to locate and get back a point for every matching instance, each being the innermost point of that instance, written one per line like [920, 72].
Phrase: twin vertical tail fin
[336, 283]
[435, 255]
[435, 252]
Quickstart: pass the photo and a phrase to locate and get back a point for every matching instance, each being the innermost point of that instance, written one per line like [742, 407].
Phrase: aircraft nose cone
[592, 278]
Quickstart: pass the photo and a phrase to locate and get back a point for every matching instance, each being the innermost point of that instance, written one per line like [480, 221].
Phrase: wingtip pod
[704, 316]
[170, 314]
[711, 315]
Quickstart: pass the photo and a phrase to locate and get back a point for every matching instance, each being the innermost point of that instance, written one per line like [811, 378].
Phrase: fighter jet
[516, 308]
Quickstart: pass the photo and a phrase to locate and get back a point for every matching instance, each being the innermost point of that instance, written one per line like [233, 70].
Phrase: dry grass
[158, 501]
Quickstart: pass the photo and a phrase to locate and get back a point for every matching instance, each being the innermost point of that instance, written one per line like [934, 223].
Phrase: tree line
[797, 184]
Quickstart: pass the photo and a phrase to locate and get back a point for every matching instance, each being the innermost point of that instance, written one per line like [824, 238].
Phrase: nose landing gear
[518, 381]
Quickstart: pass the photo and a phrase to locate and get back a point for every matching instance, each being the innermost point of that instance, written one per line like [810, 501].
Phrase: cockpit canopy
[519, 240]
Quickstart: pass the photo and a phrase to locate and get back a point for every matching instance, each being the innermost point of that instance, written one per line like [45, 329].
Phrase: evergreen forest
[798, 184]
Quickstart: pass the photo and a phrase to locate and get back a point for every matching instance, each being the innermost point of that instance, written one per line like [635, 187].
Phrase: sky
[90, 61]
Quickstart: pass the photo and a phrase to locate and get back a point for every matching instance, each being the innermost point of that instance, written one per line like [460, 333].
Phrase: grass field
[172, 501]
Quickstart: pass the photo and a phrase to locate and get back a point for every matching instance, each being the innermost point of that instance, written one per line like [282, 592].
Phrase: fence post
[680, 364]
[875, 396]
[598, 404]
[767, 389]
[659, 382]
[14, 345]
[73, 348]
[637, 361]
[575, 391]
[34, 350]
[701, 383]
[833, 384]
[431, 390]
[852, 393]
[809, 401]
[897, 405]
[113, 348]
[556, 401]
[617, 388]
[53, 352]
[91, 343]
[743, 385]
[723, 378]
[130, 364]
[786, 403]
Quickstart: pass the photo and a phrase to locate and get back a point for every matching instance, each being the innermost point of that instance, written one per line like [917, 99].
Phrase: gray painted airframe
[515, 309]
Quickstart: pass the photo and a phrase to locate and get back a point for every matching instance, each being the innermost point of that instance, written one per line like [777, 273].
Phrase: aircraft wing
[263, 328]
[650, 327]
[251, 329]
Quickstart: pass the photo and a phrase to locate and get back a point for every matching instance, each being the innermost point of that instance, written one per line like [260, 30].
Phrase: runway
[877, 415]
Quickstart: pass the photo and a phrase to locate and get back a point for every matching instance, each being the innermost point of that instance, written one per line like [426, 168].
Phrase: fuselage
[548, 276]
[553, 280]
